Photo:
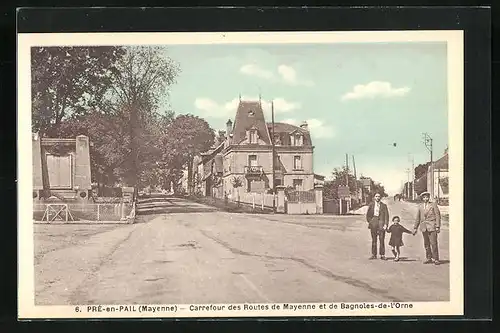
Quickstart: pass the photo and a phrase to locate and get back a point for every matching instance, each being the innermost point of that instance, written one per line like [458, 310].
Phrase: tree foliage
[185, 137]
[421, 169]
[139, 89]
[330, 189]
[116, 95]
[68, 81]
[339, 178]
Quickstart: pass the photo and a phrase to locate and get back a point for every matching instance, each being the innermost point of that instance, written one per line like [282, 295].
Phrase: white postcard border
[455, 51]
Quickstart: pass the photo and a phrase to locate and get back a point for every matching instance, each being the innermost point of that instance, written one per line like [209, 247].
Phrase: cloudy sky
[357, 98]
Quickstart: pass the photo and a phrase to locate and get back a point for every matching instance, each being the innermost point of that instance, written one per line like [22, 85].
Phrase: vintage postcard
[240, 174]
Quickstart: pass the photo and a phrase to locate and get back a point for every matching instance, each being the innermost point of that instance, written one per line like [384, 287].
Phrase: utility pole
[347, 170]
[412, 160]
[274, 157]
[407, 183]
[427, 140]
[355, 177]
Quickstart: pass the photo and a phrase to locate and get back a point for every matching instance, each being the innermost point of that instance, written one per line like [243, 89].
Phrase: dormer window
[251, 113]
[296, 139]
[253, 136]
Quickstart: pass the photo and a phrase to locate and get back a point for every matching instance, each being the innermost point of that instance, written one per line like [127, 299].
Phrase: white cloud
[289, 75]
[285, 74]
[375, 89]
[255, 70]
[317, 127]
[211, 108]
[206, 104]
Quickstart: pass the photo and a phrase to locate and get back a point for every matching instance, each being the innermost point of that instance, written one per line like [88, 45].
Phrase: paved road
[206, 256]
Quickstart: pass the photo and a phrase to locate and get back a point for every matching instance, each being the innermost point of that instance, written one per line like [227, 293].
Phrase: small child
[396, 230]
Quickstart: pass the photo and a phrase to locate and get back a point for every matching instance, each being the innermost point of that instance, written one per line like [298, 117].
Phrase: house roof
[283, 130]
[209, 155]
[248, 114]
[442, 163]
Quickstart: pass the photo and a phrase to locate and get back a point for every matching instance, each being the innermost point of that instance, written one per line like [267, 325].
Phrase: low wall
[301, 208]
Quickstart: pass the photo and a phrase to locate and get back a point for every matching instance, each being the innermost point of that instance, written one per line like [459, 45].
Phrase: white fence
[87, 212]
[256, 200]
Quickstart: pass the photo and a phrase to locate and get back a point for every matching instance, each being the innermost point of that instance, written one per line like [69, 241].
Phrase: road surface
[202, 255]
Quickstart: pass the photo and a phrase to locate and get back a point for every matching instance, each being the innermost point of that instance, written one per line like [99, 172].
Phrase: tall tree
[185, 137]
[421, 170]
[339, 178]
[108, 144]
[139, 89]
[67, 81]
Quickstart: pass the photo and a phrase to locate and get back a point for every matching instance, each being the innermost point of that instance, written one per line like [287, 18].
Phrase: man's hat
[425, 193]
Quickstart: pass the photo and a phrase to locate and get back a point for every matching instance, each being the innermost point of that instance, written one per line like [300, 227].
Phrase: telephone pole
[355, 178]
[347, 170]
[274, 157]
[427, 140]
[407, 183]
[412, 160]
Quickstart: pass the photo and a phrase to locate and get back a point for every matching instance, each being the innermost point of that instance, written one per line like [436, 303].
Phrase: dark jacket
[383, 218]
[396, 231]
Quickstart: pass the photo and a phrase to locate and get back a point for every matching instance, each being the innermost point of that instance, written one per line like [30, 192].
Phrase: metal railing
[253, 169]
[301, 196]
[88, 212]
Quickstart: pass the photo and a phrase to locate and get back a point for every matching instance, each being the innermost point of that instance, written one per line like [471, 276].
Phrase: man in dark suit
[377, 217]
[428, 220]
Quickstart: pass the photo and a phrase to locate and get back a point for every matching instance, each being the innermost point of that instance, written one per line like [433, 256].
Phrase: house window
[277, 163]
[252, 160]
[297, 184]
[297, 163]
[296, 139]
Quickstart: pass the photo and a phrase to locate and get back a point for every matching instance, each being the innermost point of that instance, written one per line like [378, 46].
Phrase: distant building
[61, 167]
[440, 171]
[367, 187]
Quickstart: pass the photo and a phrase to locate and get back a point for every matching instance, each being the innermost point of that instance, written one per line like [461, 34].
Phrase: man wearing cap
[429, 220]
[377, 217]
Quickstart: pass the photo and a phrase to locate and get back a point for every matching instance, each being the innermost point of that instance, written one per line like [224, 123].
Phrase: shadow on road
[167, 210]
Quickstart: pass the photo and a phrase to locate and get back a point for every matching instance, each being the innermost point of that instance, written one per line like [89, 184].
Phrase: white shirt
[376, 209]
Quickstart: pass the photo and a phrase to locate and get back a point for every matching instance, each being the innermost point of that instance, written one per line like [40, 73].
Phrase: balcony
[253, 170]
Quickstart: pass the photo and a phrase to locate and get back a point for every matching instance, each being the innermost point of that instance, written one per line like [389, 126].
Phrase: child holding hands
[397, 230]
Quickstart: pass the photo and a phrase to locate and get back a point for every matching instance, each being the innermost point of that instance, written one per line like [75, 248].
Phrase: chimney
[304, 126]
[222, 135]
[229, 126]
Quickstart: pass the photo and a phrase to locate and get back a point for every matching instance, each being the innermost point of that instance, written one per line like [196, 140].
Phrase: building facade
[438, 174]
[248, 153]
[242, 160]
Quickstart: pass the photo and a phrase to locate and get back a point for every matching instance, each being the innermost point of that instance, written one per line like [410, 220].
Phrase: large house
[241, 161]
